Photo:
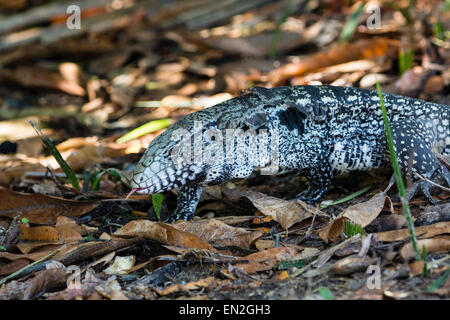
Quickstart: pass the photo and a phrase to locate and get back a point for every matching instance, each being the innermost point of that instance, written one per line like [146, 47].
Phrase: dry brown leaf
[332, 232]
[341, 53]
[76, 143]
[351, 264]
[219, 233]
[265, 260]
[264, 244]
[41, 233]
[91, 154]
[13, 170]
[432, 245]
[416, 267]
[38, 77]
[280, 276]
[34, 256]
[421, 232]
[45, 280]
[39, 208]
[193, 285]
[13, 266]
[285, 212]
[362, 213]
[68, 230]
[163, 233]
[27, 247]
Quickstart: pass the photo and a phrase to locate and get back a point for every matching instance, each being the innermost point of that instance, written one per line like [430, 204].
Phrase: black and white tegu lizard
[320, 131]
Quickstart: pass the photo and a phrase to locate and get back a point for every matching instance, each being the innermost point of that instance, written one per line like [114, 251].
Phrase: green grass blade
[149, 127]
[276, 36]
[348, 198]
[398, 176]
[352, 229]
[351, 24]
[62, 163]
[439, 281]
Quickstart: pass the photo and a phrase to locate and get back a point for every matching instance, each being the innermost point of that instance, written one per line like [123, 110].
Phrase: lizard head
[171, 160]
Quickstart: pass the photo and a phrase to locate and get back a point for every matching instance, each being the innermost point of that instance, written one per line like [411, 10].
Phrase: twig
[431, 182]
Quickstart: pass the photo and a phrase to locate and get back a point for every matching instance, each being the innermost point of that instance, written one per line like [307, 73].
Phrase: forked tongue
[133, 191]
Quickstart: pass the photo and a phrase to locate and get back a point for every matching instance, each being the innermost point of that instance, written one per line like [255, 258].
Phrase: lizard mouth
[135, 190]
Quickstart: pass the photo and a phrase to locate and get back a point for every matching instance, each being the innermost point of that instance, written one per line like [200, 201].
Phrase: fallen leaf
[285, 212]
[265, 260]
[361, 49]
[120, 265]
[45, 280]
[219, 233]
[432, 245]
[351, 264]
[13, 266]
[193, 285]
[39, 208]
[264, 244]
[163, 233]
[41, 233]
[38, 77]
[280, 276]
[362, 213]
[421, 232]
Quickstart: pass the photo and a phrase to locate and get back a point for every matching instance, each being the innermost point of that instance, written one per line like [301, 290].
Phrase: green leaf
[62, 163]
[97, 176]
[24, 220]
[405, 61]
[147, 128]
[157, 200]
[438, 30]
[2, 248]
[326, 293]
[351, 24]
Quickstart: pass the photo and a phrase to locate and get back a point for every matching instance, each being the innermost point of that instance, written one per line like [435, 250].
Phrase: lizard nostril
[141, 179]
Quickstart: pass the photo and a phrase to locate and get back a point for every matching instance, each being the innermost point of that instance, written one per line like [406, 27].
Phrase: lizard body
[321, 131]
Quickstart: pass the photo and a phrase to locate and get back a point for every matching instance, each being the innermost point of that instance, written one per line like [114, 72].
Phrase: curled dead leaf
[163, 233]
[265, 260]
[39, 208]
[432, 245]
[219, 233]
[285, 212]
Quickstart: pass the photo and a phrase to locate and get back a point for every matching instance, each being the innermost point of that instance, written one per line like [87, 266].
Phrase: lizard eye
[175, 150]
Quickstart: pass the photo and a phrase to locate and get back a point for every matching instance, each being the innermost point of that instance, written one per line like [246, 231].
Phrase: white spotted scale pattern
[323, 131]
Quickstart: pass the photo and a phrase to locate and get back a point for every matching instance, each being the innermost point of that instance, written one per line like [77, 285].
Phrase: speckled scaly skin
[322, 131]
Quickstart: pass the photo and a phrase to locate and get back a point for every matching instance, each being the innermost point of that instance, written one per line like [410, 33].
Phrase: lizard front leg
[318, 172]
[319, 179]
[188, 197]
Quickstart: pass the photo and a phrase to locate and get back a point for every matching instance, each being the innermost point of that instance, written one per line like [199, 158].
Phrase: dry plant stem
[431, 182]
